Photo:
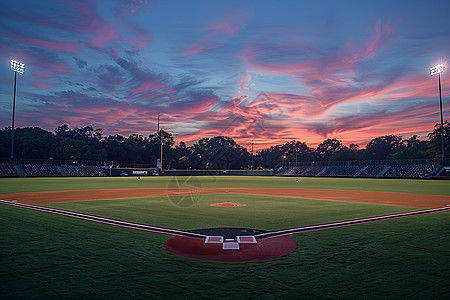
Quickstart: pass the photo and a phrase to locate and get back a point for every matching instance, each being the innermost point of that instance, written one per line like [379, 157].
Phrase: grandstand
[50, 168]
[417, 168]
[371, 170]
[83, 171]
[7, 170]
[33, 170]
[341, 171]
[410, 171]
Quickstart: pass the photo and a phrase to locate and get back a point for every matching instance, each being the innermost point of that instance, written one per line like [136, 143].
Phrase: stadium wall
[217, 172]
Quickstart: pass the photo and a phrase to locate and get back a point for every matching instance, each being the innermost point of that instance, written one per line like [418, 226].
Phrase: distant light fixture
[17, 66]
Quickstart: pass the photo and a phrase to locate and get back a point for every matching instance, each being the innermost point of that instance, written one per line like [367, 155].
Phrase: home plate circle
[229, 248]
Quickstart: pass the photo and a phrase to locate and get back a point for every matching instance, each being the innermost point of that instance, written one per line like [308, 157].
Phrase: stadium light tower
[438, 69]
[16, 67]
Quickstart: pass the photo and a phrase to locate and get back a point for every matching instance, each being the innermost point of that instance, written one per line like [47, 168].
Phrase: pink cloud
[41, 85]
[146, 86]
[141, 38]
[244, 81]
[102, 35]
[331, 78]
[221, 33]
[43, 74]
[93, 24]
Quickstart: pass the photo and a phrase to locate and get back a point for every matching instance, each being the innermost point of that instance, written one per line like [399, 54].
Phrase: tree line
[219, 152]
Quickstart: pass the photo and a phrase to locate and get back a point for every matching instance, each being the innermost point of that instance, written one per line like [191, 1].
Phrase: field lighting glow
[17, 66]
[437, 69]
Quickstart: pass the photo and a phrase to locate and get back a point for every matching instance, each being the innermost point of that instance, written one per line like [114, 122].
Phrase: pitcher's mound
[227, 204]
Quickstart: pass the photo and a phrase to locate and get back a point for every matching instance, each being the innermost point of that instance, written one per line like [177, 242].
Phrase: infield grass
[51, 256]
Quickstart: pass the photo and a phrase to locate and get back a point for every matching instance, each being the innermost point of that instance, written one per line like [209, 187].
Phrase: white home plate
[230, 246]
[214, 239]
[246, 239]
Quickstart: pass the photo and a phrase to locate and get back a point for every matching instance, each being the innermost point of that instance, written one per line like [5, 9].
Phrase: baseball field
[46, 255]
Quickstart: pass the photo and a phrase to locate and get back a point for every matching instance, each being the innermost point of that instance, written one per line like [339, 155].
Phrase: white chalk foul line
[104, 220]
[270, 234]
[298, 230]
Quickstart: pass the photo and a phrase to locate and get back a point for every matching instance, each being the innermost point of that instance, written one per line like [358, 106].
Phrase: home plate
[230, 246]
[246, 239]
[214, 239]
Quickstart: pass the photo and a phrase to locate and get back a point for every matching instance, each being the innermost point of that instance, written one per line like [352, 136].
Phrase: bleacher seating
[33, 170]
[344, 170]
[288, 171]
[305, 171]
[84, 170]
[372, 171]
[7, 170]
[310, 170]
[410, 171]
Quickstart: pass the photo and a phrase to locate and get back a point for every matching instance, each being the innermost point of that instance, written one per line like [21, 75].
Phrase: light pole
[16, 67]
[438, 69]
[161, 160]
[252, 157]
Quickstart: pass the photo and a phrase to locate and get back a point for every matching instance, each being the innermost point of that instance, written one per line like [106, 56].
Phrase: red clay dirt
[264, 249]
[384, 198]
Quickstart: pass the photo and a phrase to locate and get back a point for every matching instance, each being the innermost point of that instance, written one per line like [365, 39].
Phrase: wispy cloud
[220, 32]
[264, 73]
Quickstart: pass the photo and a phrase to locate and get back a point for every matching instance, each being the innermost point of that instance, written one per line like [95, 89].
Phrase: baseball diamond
[280, 224]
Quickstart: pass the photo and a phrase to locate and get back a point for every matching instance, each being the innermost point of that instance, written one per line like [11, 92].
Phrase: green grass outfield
[52, 256]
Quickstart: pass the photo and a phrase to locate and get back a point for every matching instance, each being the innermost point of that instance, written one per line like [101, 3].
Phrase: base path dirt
[384, 198]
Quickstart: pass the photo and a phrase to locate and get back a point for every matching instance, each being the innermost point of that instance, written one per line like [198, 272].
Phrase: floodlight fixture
[17, 66]
[438, 69]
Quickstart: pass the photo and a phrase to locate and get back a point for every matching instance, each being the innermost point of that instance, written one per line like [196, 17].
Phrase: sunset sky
[263, 72]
